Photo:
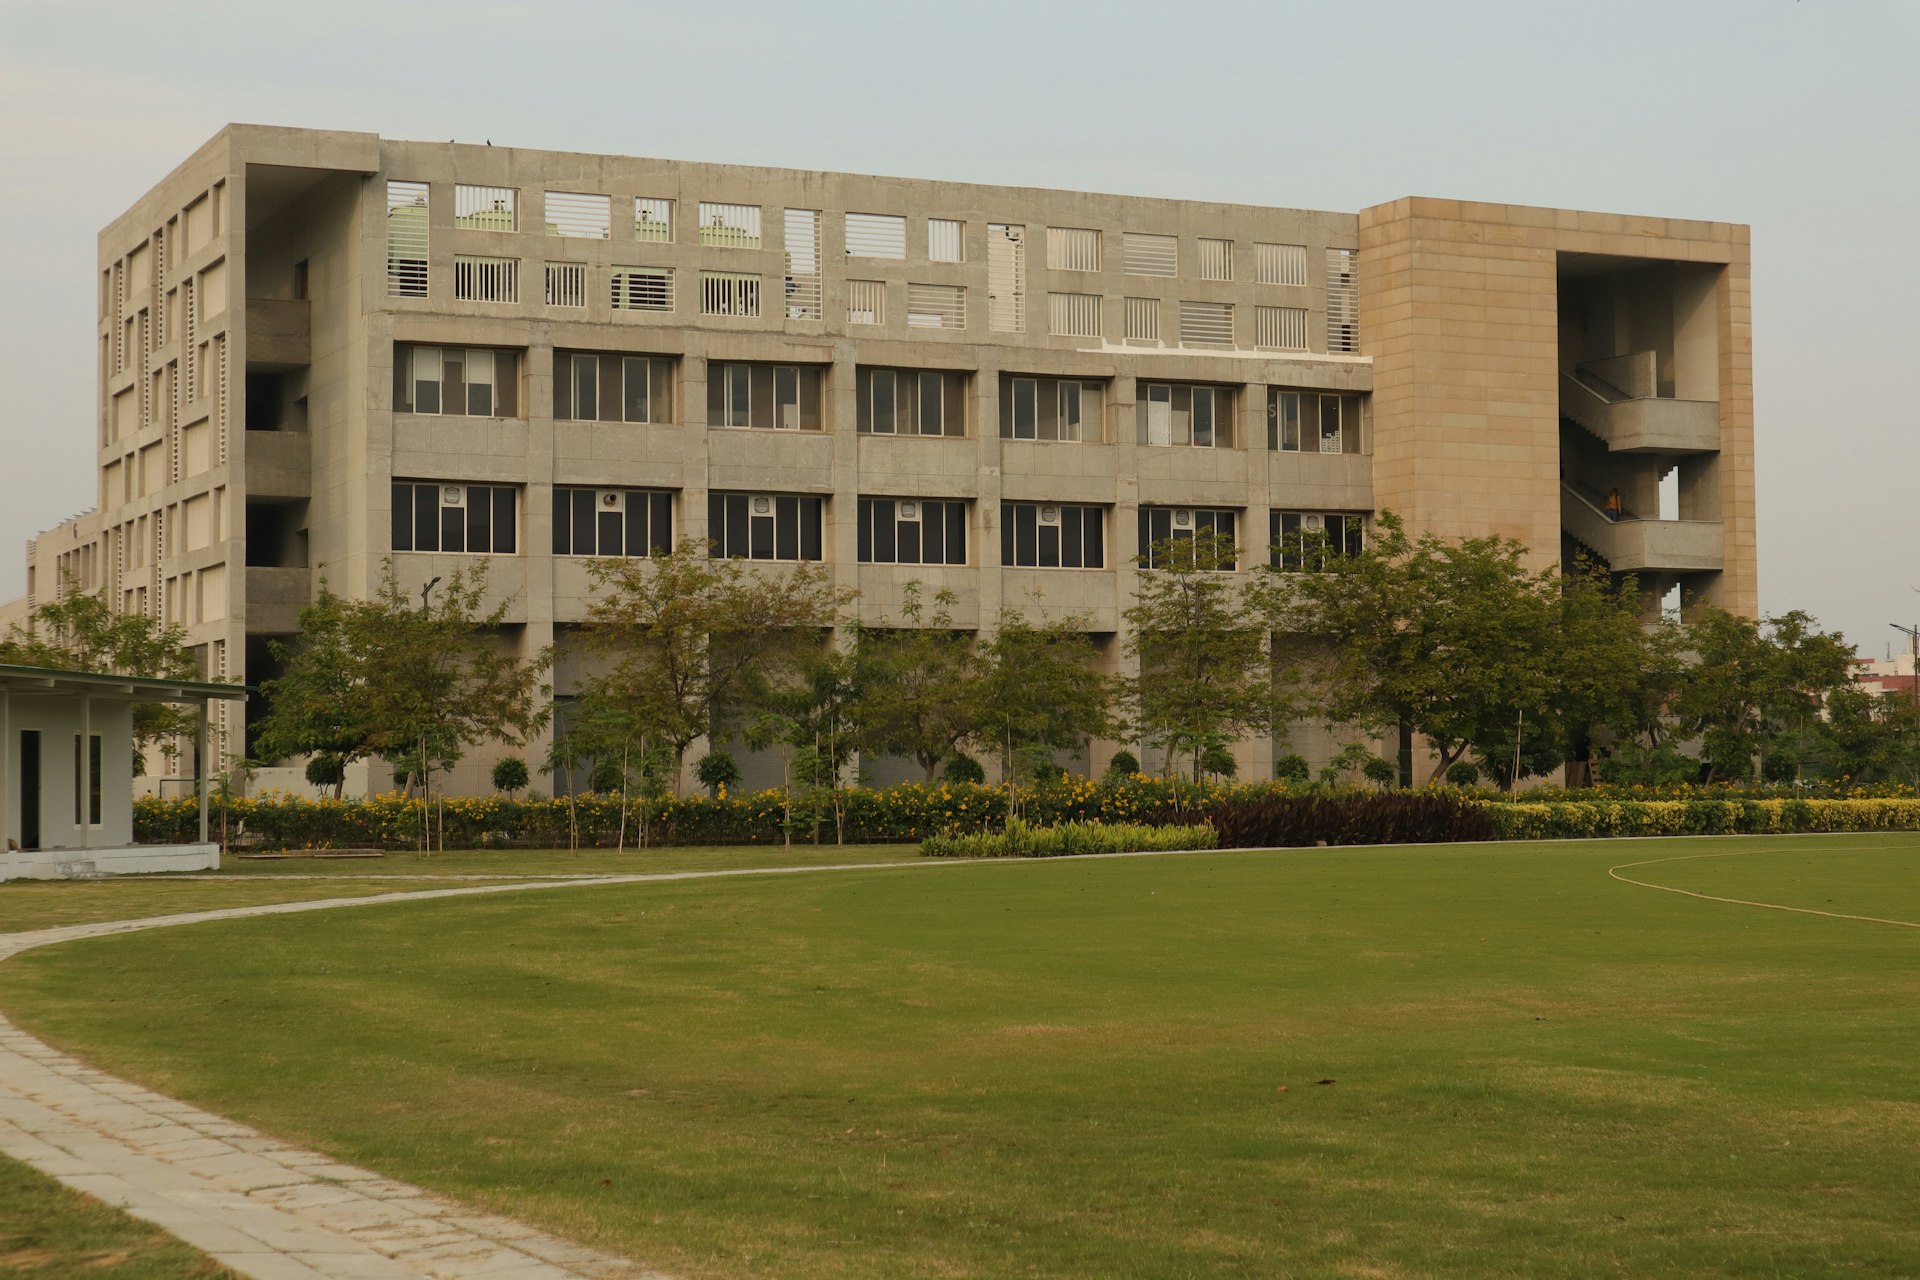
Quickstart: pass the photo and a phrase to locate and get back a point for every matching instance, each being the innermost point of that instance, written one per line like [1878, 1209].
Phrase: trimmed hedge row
[1521, 821]
[1021, 840]
[900, 814]
[1262, 815]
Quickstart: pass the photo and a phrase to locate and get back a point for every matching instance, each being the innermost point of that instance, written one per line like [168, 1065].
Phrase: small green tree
[694, 643]
[919, 683]
[1039, 687]
[1200, 636]
[510, 774]
[314, 706]
[1124, 765]
[327, 771]
[813, 715]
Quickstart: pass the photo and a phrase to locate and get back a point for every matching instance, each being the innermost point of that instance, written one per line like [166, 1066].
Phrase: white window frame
[876, 235]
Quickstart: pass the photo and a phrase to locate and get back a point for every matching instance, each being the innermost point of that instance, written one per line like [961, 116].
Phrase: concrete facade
[255, 305]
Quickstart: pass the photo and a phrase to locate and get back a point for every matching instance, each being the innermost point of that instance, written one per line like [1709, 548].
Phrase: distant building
[321, 349]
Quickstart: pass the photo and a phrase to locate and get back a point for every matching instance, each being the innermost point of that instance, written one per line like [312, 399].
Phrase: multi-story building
[319, 350]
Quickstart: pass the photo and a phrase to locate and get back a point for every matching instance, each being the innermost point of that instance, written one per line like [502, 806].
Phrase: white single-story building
[66, 773]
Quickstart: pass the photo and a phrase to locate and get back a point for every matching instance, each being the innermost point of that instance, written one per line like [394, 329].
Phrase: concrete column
[6, 767]
[200, 765]
[85, 780]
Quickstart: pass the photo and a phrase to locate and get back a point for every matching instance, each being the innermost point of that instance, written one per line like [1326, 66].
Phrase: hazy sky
[1800, 117]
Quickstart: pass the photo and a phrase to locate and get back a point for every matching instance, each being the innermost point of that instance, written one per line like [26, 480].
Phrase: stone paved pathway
[269, 1210]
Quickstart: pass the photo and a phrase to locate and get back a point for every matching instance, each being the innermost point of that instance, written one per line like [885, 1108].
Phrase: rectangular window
[768, 396]
[912, 531]
[1206, 324]
[1149, 255]
[803, 265]
[407, 239]
[1063, 409]
[1216, 259]
[612, 522]
[1308, 540]
[573, 213]
[610, 387]
[1006, 278]
[1280, 263]
[1143, 321]
[866, 302]
[1045, 535]
[486, 279]
[652, 219]
[1073, 315]
[1073, 249]
[486, 208]
[1343, 302]
[1178, 413]
[472, 382]
[641, 289]
[876, 235]
[729, 293]
[924, 402]
[469, 519]
[730, 226]
[1280, 328]
[946, 240]
[764, 526]
[1316, 421]
[1162, 525]
[566, 284]
[936, 306]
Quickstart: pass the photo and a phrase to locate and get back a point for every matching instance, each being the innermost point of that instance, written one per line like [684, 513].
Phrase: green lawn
[50, 1233]
[1096, 1067]
[41, 904]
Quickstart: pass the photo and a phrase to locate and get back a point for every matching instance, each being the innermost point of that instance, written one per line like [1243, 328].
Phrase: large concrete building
[321, 349]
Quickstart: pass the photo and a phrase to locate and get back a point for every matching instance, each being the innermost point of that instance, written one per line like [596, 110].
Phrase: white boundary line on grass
[1615, 871]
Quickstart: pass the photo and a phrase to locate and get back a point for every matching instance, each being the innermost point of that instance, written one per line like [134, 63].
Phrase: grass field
[1458, 1061]
[50, 1233]
[41, 904]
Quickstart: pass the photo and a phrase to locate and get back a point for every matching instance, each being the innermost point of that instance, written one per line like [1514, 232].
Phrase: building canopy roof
[52, 680]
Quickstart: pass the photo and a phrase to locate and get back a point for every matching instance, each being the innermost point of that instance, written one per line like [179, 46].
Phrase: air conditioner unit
[453, 495]
[610, 499]
[1049, 515]
[1314, 522]
[909, 511]
[762, 506]
[1182, 518]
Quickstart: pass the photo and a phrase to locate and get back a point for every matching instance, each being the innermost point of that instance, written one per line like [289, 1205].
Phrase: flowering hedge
[1021, 840]
[900, 814]
[911, 812]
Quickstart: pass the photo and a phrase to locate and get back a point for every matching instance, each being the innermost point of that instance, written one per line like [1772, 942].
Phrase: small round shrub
[1464, 774]
[326, 771]
[1123, 765]
[1291, 768]
[716, 769]
[510, 774]
[1219, 761]
[963, 768]
[1382, 773]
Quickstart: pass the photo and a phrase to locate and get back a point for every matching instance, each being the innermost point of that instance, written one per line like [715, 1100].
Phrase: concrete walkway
[268, 1210]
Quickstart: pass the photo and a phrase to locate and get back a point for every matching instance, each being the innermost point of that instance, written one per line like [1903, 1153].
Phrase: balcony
[279, 333]
[275, 598]
[1634, 545]
[279, 464]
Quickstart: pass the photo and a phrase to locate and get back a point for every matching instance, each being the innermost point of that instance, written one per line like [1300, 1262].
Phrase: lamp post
[1913, 637]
